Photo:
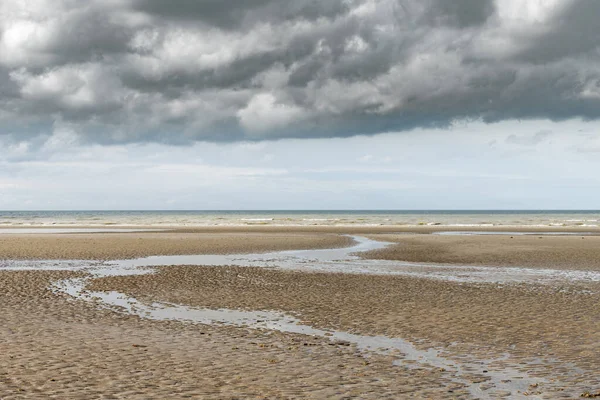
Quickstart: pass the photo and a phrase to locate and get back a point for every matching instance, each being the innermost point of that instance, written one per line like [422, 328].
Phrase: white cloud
[265, 113]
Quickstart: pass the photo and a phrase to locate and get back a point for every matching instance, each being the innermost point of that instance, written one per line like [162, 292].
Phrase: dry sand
[112, 246]
[533, 251]
[54, 346]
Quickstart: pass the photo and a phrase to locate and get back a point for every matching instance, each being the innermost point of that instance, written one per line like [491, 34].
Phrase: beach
[342, 199]
[417, 315]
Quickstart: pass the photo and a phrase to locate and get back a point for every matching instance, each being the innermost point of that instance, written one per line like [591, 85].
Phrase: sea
[450, 218]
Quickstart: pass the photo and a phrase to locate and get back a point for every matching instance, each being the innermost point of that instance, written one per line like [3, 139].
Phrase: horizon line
[312, 210]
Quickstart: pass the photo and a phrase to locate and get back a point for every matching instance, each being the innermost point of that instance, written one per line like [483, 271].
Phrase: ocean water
[463, 218]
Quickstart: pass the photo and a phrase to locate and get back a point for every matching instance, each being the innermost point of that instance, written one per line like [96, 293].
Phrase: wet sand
[484, 321]
[55, 346]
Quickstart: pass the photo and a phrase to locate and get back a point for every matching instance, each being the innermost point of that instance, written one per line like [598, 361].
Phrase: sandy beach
[94, 246]
[572, 251]
[545, 335]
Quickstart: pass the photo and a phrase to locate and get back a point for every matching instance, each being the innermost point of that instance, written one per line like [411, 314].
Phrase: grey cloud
[461, 13]
[89, 35]
[213, 12]
[574, 32]
[237, 74]
[85, 32]
[183, 71]
[8, 88]
[229, 16]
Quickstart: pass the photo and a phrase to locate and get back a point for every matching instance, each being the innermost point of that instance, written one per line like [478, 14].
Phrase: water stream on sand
[342, 260]
[489, 381]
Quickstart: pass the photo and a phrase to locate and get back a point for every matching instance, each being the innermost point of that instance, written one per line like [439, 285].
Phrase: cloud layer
[118, 71]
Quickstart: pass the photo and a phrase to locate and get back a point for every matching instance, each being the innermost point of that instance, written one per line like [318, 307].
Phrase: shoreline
[350, 228]
[306, 218]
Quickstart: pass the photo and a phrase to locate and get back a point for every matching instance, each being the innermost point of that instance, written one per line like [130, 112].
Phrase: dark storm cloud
[227, 15]
[212, 12]
[461, 13]
[186, 70]
[574, 32]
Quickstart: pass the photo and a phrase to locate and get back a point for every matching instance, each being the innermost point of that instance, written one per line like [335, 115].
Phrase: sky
[303, 104]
